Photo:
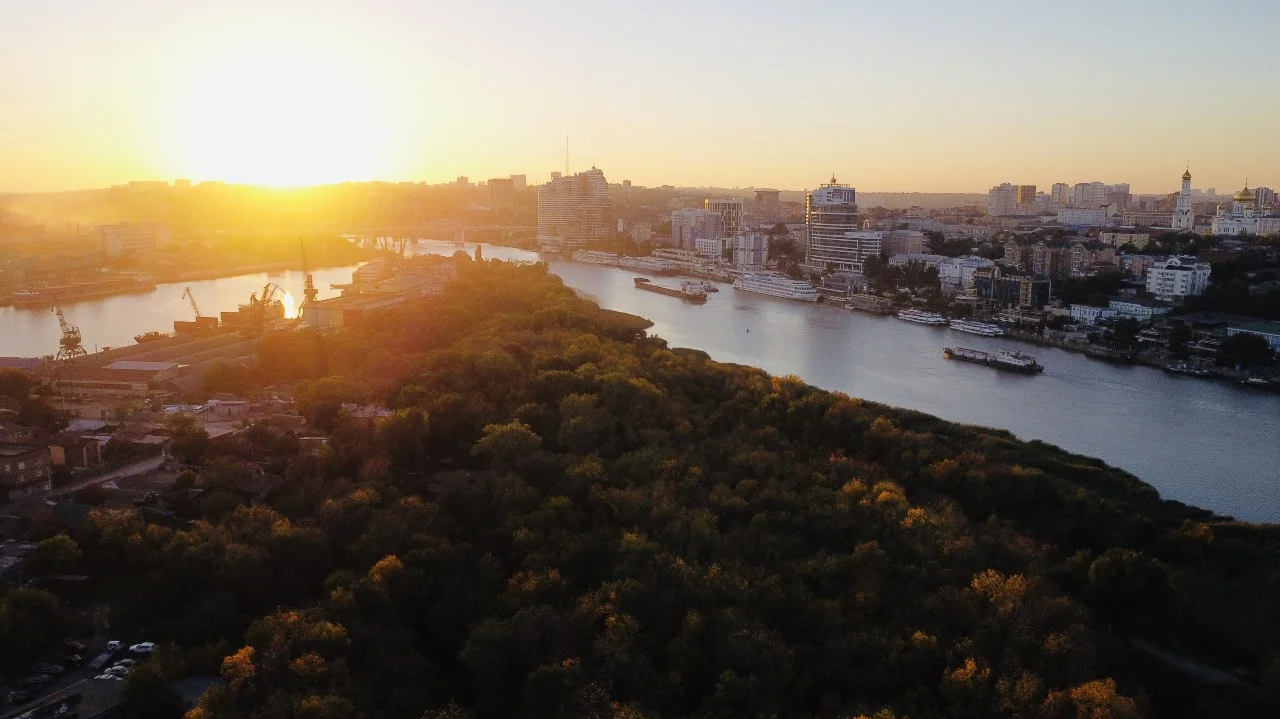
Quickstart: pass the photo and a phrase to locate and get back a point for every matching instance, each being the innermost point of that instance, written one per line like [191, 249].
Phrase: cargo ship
[1004, 359]
[688, 291]
[151, 336]
[67, 294]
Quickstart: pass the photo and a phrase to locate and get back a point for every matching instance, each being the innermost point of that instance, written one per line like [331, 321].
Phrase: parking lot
[100, 661]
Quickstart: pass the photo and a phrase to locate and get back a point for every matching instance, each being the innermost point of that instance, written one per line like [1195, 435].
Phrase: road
[140, 467]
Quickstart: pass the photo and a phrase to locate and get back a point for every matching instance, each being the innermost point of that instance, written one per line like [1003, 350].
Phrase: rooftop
[1262, 328]
[368, 301]
[17, 450]
[138, 365]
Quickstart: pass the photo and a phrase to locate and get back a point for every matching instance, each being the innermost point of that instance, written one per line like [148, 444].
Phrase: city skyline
[935, 99]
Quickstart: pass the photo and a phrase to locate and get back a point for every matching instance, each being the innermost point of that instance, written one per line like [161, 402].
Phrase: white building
[730, 210]
[1085, 217]
[1002, 200]
[1244, 218]
[1177, 278]
[1140, 310]
[689, 226]
[1184, 217]
[1089, 194]
[710, 248]
[115, 240]
[573, 211]
[909, 257]
[750, 250]
[831, 215]
[1269, 331]
[956, 273]
[1089, 315]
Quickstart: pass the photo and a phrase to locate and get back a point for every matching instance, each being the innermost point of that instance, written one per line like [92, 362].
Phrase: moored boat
[922, 317]
[776, 285]
[1004, 359]
[151, 336]
[687, 291]
[985, 329]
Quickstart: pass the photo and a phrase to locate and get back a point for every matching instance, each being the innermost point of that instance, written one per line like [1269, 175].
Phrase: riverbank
[255, 269]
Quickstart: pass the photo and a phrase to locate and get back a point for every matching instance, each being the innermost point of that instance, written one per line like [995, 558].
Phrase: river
[1208, 444]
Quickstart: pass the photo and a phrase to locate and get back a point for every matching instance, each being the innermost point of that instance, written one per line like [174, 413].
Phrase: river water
[1208, 444]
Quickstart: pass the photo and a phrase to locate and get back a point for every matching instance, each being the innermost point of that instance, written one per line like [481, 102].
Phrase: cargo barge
[1004, 359]
[688, 291]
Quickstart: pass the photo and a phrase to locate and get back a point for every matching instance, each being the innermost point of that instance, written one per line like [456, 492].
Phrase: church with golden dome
[1244, 217]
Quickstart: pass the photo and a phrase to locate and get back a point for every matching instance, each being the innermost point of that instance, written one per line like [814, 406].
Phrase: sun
[281, 118]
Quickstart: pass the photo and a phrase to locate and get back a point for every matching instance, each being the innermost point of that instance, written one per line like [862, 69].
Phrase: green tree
[55, 555]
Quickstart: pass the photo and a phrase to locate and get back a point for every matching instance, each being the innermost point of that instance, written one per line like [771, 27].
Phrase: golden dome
[1244, 195]
[1187, 175]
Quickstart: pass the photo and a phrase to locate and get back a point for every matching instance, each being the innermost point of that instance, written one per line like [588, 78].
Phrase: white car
[109, 676]
[130, 663]
[120, 672]
[143, 648]
[114, 646]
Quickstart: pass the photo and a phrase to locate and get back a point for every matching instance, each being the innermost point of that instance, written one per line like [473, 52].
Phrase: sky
[891, 96]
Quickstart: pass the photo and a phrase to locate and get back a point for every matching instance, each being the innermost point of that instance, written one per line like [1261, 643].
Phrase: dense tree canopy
[565, 517]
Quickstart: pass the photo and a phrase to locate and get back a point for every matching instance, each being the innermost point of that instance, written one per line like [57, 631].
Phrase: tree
[188, 439]
[36, 412]
[1243, 350]
[1179, 336]
[55, 555]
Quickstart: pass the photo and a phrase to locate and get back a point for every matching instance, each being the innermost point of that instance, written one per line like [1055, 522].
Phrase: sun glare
[282, 119]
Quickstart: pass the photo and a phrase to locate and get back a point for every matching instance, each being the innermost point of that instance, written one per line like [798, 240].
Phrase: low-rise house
[1089, 314]
[74, 451]
[24, 471]
[1141, 310]
[1269, 331]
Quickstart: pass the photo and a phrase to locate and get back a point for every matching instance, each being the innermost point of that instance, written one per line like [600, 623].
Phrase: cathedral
[1243, 218]
[1184, 217]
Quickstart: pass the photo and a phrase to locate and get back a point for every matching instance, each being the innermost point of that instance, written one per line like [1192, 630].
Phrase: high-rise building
[1264, 199]
[767, 202]
[690, 225]
[1026, 194]
[1184, 216]
[573, 211]
[502, 194]
[730, 210]
[519, 182]
[1002, 200]
[831, 218]
[1060, 194]
[750, 250]
[115, 240]
[1089, 194]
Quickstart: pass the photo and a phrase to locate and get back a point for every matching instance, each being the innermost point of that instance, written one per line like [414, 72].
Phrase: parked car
[121, 672]
[36, 680]
[143, 648]
[74, 660]
[19, 697]
[130, 663]
[148, 499]
[114, 645]
[109, 676]
[52, 670]
[73, 647]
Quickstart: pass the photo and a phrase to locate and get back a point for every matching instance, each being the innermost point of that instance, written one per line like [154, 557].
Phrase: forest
[565, 517]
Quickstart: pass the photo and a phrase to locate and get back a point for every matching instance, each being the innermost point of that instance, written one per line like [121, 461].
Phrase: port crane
[70, 344]
[309, 290]
[186, 295]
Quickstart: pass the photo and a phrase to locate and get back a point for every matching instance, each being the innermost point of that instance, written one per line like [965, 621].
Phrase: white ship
[775, 285]
[375, 269]
[652, 265]
[986, 329]
[596, 257]
[924, 318]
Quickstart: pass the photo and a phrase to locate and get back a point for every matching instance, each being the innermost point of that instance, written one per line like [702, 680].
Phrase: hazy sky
[897, 95]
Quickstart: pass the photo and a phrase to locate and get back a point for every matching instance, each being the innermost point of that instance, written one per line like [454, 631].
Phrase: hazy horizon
[908, 97]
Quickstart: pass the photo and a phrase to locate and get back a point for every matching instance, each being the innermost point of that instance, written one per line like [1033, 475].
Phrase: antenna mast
[566, 155]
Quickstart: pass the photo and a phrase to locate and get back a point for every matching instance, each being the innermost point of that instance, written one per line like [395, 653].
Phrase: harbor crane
[309, 290]
[70, 344]
[186, 295]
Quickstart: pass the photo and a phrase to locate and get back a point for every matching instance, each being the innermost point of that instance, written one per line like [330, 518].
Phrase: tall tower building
[831, 216]
[1003, 200]
[730, 210]
[1184, 217]
[573, 211]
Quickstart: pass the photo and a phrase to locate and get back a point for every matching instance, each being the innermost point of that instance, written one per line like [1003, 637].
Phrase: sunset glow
[281, 118]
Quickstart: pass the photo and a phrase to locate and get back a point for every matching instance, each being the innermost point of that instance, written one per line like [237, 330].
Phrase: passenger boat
[923, 318]
[985, 329]
[1004, 359]
[776, 285]
[1181, 367]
